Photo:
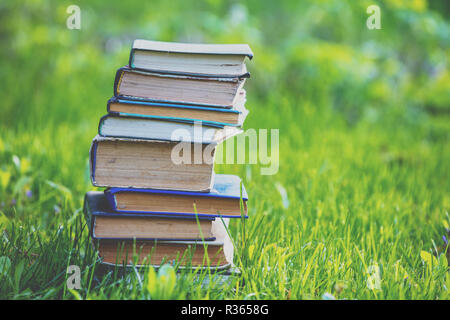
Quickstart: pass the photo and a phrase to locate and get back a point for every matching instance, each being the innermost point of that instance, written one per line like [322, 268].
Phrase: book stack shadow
[173, 104]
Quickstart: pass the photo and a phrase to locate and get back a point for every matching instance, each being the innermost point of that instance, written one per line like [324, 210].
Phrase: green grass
[364, 149]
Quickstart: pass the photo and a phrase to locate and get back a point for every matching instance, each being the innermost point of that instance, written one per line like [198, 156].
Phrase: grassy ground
[359, 207]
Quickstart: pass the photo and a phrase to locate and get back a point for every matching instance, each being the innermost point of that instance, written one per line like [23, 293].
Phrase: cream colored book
[219, 60]
[137, 163]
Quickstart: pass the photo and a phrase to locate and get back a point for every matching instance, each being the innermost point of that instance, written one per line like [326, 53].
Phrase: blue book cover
[97, 205]
[225, 187]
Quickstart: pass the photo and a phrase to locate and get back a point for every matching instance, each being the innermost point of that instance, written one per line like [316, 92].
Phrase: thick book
[138, 163]
[195, 254]
[158, 129]
[190, 90]
[224, 60]
[224, 200]
[105, 223]
[219, 117]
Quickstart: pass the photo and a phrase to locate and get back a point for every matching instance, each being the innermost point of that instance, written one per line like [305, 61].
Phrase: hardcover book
[182, 89]
[219, 117]
[193, 254]
[224, 200]
[159, 129]
[224, 60]
[137, 163]
[106, 223]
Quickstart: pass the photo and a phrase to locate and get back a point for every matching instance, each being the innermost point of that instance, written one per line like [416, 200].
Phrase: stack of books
[172, 99]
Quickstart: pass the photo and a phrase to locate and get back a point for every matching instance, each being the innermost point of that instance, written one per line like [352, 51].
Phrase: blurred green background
[363, 118]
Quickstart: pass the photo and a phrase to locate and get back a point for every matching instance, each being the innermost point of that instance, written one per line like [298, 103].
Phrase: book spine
[111, 198]
[108, 104]
[88, 216]
[92, 155]
[130, 61]
[103, 119]
[117, 80]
